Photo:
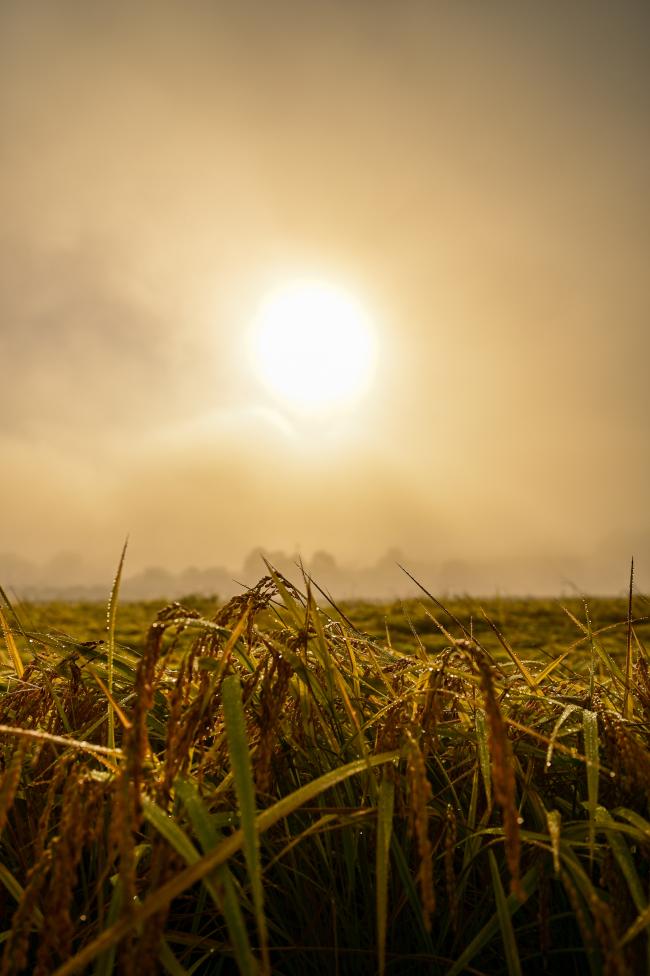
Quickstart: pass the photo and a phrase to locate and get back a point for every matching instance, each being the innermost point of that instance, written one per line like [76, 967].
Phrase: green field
[281, 785]
[538, 627]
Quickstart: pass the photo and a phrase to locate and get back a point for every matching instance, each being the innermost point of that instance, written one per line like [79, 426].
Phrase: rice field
[282, 785]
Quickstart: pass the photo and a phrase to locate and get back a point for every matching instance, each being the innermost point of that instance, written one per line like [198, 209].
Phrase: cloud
[83, 354]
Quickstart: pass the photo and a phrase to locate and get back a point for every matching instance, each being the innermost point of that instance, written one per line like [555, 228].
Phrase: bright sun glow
[313, 345]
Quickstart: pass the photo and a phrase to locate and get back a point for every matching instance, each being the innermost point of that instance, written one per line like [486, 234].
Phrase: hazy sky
[477, 175]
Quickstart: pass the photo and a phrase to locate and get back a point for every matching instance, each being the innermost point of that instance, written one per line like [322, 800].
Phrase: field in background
[537, 627]
[275, 785]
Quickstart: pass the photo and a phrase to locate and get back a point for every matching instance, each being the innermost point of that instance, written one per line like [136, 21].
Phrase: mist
[477, 177]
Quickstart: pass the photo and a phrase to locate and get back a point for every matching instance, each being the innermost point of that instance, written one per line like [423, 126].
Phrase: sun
[313, 346]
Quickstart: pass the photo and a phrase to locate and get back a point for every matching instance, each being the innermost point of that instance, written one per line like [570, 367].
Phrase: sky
[476, 176]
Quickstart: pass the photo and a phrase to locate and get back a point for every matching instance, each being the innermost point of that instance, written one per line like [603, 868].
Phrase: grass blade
[554, 824]
[590, 732]
[512, 904]
[627, 695]
[229, 904]
[484, 753]
[606, 659]
[170, 830]
[105, 963]
[592, 656]
[385, 805]
[556, 728]
[240, 762]
[622, 854]
[209, 837]
[636, 928]
[635, 819]
[505, 920]
[16, 890]
[550, 667]
[197, 811]
[519, 664]
[111, 616]
[169, 961]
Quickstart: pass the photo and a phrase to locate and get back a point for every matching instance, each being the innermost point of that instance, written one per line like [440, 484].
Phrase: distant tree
[65, 568]
[15, 571]
[323, 564]
[391, 557]
[152, 583]
[254, 568]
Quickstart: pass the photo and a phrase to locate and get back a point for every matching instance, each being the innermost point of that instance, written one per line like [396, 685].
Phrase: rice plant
[267, 789]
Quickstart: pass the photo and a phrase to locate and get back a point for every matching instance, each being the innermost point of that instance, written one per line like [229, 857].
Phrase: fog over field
[477, 176]
[70, 575]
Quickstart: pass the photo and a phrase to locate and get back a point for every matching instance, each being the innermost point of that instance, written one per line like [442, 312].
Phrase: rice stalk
[385, 807]
[420, 794]
[592, 753]
[37, 736]
[111, 616]
[503, 775]
[627, 696]
[10, 781]
[14, 655]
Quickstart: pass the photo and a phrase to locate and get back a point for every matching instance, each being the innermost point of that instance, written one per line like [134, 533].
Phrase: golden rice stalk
[9, 782]
[451, 836]
[11, 645]
[628, 707]
[16, 946]
[420, 794]
[61, 740]
[503, 776]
